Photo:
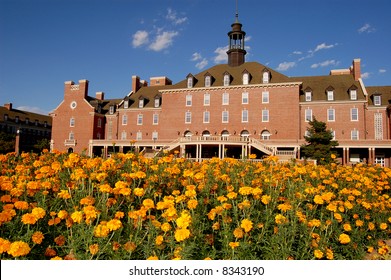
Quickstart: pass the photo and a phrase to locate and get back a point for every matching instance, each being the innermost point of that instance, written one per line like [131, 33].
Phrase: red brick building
[230, 110]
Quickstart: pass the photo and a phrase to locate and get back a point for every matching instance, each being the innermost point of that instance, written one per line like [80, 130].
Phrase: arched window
[206, 133]
[225, 134]
[265, 77]
[188, 134]
[265, 135]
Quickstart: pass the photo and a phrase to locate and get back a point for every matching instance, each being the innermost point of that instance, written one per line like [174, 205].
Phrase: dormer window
[111, 110]
[190, 81]
[208, 81]
[308, 96]
[227, 79]
[266, 76]
[377, 100]
[126, 104]
[330, 93]
[17, 119]
[353, 93]
[157, 101]
[246, 78]
[141, 102]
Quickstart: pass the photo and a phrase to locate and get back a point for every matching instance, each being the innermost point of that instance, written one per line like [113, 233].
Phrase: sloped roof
[385, 92]
[23, 115]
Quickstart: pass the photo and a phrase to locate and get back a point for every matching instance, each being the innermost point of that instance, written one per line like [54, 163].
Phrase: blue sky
[44, 43]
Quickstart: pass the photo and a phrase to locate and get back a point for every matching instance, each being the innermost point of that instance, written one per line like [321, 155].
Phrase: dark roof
[23, 115]
[104, 104]
[384, 91]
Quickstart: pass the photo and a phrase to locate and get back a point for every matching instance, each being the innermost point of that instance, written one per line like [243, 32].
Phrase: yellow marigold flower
[138, 192]
[284, 207]
[329, 254]
[233, 245]
[347, 227]
[141, 174]
[338, 217]
[18, 249]
[159, 240]
[105, 188]
[64, 194]
[244, 204]
[148, 203]
[153, 258]
[344, 238]
[246, 190]
[38, 212]
[29, 219]
[247, 225]
[232, 195]
[318, 199]
[216, 226]
[89, 200]
[359, 223]
[4, 245]
[318, 254]
[266, 199]
[184, 220]
[21, 205]
[371, 226]
[101, 230]
[192, 204]
[37, 237]
[182, 234]
[119, 215]
[280, 219]
[94, 249]
[383, 226]
[314, 223]
[238, 233]
[165, 227]
[114, 224]
[77, 216]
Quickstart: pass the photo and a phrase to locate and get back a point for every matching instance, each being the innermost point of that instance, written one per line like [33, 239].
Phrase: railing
[70, 142]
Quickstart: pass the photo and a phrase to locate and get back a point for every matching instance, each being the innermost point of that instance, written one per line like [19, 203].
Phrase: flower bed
[68, 206]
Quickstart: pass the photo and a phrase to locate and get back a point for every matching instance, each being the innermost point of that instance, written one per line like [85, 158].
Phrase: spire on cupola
[236, 52]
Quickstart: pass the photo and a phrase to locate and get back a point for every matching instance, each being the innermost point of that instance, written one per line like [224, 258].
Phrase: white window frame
[308, 115]
[244, 116]
[354, 134]
[71, 136]
[123, 135]
[331, 115]
[225, 116]
[206, 117]
[245, 78]
[126, 104]
[265, 115]
[206, 99]
[189, 82]
[188, 117]
[140, 119]
[354, 114]
[308, 96]
[72, 122]
[353, 94]
[377, 100]
[157, 102]
[265, 97]
[139, 135]
[208, 81]
[245, 97]
[225, 98]
[189, 100]
[141, 103]
[330, 95]
[155, 135]
[155, 119]
[226, 80]
[265, 77]
[124, 119]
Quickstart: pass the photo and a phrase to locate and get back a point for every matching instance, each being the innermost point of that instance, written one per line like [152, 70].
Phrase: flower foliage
[69, 206]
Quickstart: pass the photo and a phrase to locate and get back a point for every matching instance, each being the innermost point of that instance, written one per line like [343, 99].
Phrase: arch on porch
[265, 134]
[188, 133]
[206, 133]
[225, 134]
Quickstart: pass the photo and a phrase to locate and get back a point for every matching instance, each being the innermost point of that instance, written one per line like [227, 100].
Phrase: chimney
[356, 69]
[8, 106]
[100, 95]
[135, 83]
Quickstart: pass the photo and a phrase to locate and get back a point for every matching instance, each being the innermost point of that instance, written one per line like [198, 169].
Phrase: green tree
[319, 142]
[41, 144]
[7, 143]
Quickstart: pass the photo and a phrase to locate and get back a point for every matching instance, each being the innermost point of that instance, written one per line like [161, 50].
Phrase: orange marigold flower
[37, 237]
[4, 245]
[114, 224]
[89, 200]
[280, 219]
[21, 205]
[94, 249]
[138, 192]
[153, 258]
[347, 227]
[148, 203]
[165, 227]
[318, 199]
[329, 254]
[318, 254]
[62, 214]
[60, 240]
[344, 238]
[119, 215]
[19, 249]
[77, 216]
[238, 233]
[383, 226]
[159, 240]
[182, 234]
[130, 246]
[39, 212]
[64, 194]
[29, 219]
[266, 199]
[247, 225]
[233, 245]
[101, 230]
[284, 207]
[184, 220]
[192, 204]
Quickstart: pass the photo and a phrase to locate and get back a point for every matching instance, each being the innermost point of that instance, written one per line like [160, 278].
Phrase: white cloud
[172, 16]
[200, 65]
[140, 38]
[221, 56]
[32, 110]
[365, 75]
[366, 28]
[324, 63]
[381, 71]
[297, 52]
[285, 66]
[163, 40]
[323, 46]
[196, 56]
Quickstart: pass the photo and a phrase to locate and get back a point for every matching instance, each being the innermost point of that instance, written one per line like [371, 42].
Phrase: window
[72, 122]
[188, 100]
[225, 98]
[189, 82]
[17, 119]
[265, 115]
[331, 115]
[265, 77]
[244, 97]
[265, 97]
[188, 117]
[27, 120]
[123, 135]
[308, 115]
[354, 134]
[265, 135]
[99, 122]
[155, 135]
[139, 119]
[333, 134]
[354, 114]
[124, 120]
[155, 119]
[126, 104]
[206, 99]
[308, 96]
[377, 100]
[6, 117]
[111, 110]
[71, 136]
[227, 79]
[139, 135]
[330, 95]
[245, 78]
[353, 94]
[380, 159]
[206, 117]
[378, 126]
[157, 102]
[207, 81]
[244, 115]
[225, 116]
[141, 103]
